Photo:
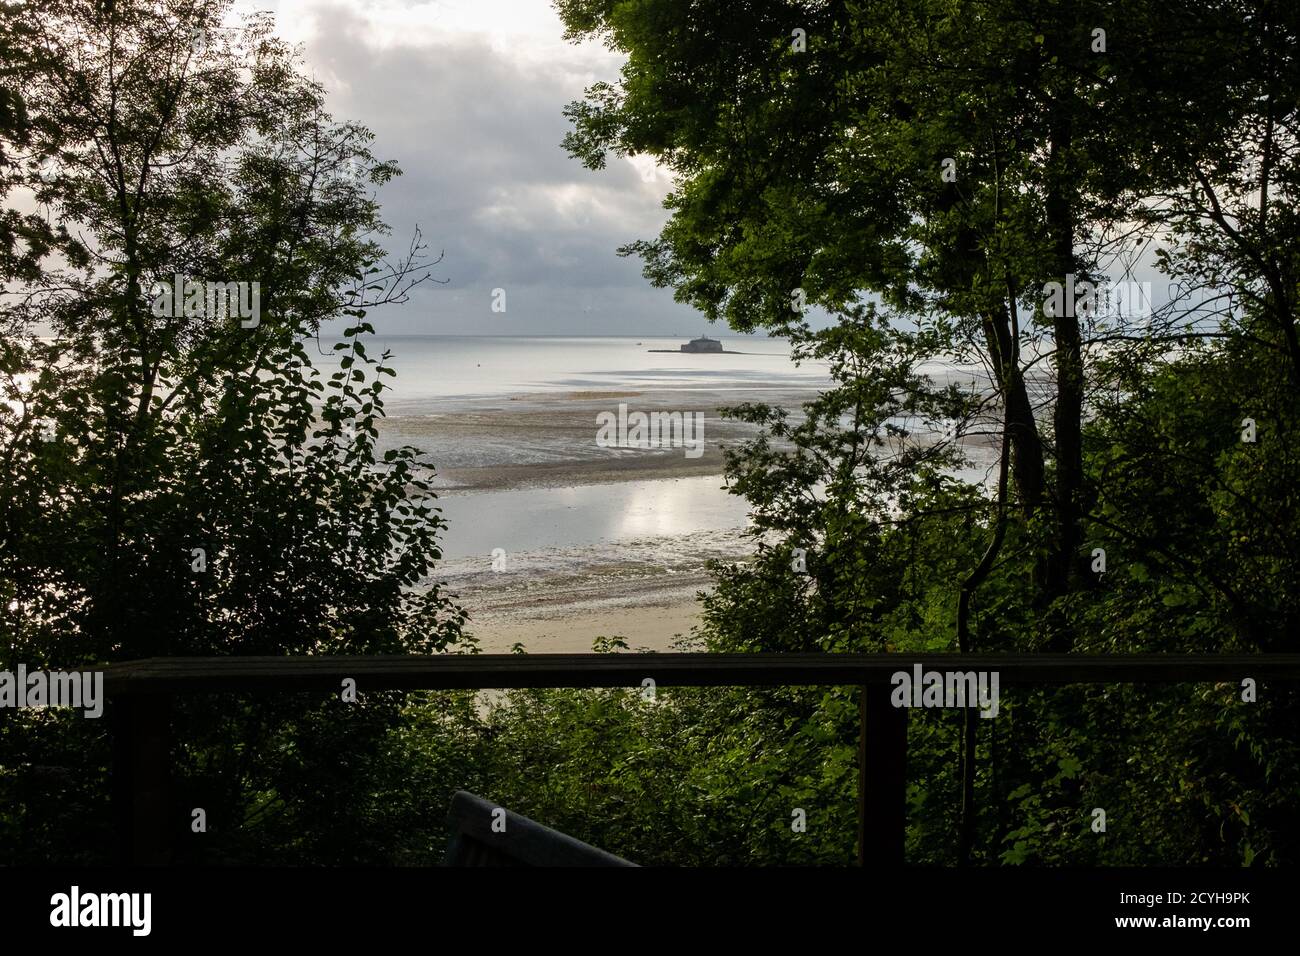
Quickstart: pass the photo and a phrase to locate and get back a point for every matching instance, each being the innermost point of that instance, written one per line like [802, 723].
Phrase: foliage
[192, 481]
[129, 439]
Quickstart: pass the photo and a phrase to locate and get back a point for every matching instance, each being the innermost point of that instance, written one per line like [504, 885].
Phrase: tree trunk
[1026, 446]
[1067, 417]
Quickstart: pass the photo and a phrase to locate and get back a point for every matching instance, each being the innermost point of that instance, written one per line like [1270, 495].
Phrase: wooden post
[141, 784]
[882, 778]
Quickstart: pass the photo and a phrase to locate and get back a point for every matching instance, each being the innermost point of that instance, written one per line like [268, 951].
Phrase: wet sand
[559, 600]
[549, 439]
[637, 582]
[637, 579]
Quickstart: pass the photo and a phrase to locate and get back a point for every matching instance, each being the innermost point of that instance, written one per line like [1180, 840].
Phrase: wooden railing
[141, 693]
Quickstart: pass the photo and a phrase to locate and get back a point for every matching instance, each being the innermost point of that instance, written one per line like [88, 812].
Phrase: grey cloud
[477, 133]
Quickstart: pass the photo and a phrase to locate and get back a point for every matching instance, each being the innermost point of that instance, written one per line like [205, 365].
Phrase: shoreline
[558, 600]
[615, 541]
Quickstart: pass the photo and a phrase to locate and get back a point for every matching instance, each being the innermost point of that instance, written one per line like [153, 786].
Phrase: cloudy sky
[467, 96]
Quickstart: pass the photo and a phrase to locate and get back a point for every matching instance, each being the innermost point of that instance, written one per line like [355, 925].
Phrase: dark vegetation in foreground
[191, 486]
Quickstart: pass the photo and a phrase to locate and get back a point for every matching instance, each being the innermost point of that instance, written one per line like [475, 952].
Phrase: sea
[449, 371]
[523, 406]
[444, 374]
[465, 397]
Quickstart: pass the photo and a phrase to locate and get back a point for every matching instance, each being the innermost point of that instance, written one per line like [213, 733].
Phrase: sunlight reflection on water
[526, 518]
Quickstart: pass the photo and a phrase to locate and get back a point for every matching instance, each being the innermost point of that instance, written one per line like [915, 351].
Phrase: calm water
[532, 519]
[439, 372]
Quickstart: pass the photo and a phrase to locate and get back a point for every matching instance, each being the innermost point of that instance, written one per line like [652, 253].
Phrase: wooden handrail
[452, 671]
[141, 693]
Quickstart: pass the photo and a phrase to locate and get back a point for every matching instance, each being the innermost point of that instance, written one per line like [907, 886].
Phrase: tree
[972, 166]
[182, 476]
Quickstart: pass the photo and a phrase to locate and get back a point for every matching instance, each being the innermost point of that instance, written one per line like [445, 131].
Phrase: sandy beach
[644, 628]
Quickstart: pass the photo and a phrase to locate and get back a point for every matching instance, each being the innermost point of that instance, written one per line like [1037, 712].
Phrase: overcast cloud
[467, 97]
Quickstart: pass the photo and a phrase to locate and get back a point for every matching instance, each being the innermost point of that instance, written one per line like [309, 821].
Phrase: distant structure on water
[702, 344]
